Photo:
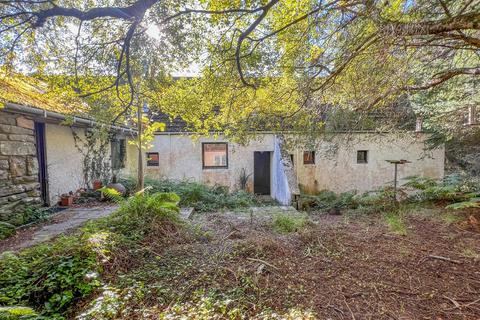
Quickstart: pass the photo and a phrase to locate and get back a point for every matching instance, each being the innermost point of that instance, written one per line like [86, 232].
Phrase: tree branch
[131, 12]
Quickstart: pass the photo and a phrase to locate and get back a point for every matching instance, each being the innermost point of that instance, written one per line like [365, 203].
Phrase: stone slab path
[66, 221]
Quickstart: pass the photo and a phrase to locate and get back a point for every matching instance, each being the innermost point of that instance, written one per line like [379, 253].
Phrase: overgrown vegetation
[287, 223]
[199, 196]
[52, 277]
[370, 202]
[453, 188]
[455, 191]
[395, 221]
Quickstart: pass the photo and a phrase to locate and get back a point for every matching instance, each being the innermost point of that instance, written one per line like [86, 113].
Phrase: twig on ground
[455, 303]
[460, 306]
[471, 303]
[228, 236]
[346, 303]
[444, 259]
[233, 272]
[336, 309]
[264, 262]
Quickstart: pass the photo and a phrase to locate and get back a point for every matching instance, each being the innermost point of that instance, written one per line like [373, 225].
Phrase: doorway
[42, 161]
[261, 172]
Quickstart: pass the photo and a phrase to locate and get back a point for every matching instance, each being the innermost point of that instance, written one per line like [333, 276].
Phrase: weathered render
[21, 182]
[335, 168]
[64, 161]
[180, 157]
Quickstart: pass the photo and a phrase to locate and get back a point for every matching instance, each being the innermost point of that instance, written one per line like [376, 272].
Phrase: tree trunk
[140, 178]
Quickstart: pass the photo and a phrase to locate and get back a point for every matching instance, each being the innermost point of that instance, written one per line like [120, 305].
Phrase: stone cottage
[40, 157]
[282, 165]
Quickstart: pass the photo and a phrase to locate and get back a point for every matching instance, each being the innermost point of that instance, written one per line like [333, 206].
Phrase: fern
[471, 203]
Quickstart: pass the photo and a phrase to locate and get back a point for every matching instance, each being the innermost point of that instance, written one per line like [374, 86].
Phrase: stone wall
[19, 187]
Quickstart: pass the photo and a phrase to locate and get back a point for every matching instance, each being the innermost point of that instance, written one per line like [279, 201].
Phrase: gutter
[12, 107]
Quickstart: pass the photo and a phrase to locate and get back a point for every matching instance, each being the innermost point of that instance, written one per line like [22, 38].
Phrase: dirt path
[66, 221]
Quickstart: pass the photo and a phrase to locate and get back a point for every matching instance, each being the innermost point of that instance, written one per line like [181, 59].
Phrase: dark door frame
[41, 146]
[262, 172]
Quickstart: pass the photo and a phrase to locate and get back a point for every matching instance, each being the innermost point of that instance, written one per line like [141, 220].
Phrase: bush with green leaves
[380, 200]
[48, 276]
[452, 188]
[6, 230]
[13, 313]
[326, 200]
[470, 203]
[199, 196]
[288, 223]
[51, 277]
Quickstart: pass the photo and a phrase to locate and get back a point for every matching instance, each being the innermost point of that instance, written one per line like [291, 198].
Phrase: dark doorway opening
[42, 161]
[261, 172]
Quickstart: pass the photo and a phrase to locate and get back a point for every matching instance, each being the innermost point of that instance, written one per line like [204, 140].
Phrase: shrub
[285, 223]
[199, 196]
[420, 183]
[12, 313]
[6, 230]
[471, 203]
[51, 277]
[138, 215]
[452, 188]
[326, 200]
[33, 214]
[378, 201]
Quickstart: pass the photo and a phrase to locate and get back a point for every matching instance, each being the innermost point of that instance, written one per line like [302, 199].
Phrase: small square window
[152, 159]
[215, 155]
[362, 156]
[309, 157]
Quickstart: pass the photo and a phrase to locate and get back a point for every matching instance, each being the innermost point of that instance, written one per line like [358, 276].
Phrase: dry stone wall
[19, 187]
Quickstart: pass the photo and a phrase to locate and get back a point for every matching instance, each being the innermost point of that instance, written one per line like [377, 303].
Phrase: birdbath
[396, 163]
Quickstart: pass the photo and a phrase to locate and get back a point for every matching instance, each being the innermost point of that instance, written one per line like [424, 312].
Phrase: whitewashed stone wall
[335, 167]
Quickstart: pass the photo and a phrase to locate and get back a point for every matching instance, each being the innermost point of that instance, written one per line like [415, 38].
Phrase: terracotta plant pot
[97, 184]
[66, 201]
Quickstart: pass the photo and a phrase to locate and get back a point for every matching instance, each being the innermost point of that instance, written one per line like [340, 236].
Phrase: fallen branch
[444, 259]
[264, 262]
[460, 306]
[455, 303]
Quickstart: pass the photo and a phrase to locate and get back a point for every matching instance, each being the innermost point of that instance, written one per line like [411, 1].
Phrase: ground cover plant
[199, 196]
[329, 268]
[50, 278]
[262, 263]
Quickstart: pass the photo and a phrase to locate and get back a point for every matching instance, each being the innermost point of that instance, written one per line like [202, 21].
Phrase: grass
[396, 222]
[141, 262]
[449, 217]
[288, 223]
[470, 253]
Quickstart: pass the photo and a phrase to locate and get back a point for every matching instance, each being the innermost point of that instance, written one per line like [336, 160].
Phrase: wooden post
[395, 176]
